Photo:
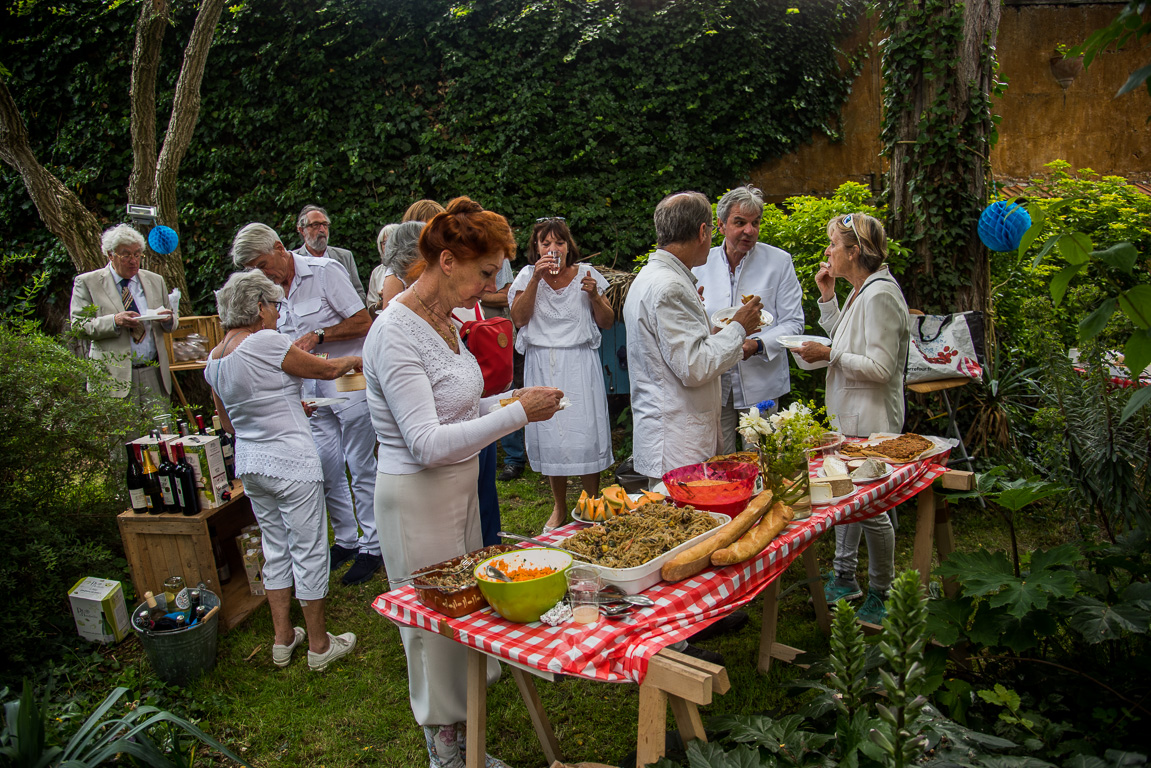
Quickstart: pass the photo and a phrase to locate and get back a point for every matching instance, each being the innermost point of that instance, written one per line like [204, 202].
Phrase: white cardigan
[869, 341]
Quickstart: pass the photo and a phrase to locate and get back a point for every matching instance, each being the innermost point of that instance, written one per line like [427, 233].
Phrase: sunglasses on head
[550, 218]
[849, 220]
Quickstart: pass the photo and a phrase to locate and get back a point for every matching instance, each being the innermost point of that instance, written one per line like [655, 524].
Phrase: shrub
[61, 464]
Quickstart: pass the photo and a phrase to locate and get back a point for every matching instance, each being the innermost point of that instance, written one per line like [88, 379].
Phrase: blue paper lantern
[163, 239]
[1003, 224]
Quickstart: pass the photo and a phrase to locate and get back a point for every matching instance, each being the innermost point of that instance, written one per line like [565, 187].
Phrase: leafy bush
[61, 464]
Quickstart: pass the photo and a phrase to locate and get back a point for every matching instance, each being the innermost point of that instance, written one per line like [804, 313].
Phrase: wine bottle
[167, 472]
[135, 481]
[186, 483]
[227, 447]
[151, 482]
[200, 424]
[155, 612]
[223, 570]
[182, 426]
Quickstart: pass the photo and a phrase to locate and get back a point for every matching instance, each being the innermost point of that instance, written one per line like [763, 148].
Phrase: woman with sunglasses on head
[255, 375]
[868, 352]
[559, 308]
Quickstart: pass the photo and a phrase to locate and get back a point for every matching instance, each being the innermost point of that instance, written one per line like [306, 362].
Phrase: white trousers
[348, 438]
[295, 539]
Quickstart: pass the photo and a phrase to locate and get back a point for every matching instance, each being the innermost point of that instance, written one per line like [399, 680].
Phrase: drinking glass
[584, 585]
[555, 268]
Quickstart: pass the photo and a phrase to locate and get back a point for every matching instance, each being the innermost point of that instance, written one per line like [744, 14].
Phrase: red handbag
[490, 341]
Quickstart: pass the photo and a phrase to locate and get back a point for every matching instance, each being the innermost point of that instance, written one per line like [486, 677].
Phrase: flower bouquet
[784, 440]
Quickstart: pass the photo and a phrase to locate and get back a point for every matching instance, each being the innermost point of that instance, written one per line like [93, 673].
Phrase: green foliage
[144, 734]
[61, 470]
[1129, 26]
[592, 110]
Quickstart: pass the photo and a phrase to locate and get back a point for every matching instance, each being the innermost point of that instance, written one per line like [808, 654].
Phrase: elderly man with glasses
[742, 266]
[315, 228]
[123, 311]
[323, 315]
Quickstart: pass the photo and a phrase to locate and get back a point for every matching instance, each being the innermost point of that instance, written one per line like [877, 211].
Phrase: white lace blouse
[425, 399]
[273, 436]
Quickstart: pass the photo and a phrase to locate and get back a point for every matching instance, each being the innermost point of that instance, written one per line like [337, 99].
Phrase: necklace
[450, 339]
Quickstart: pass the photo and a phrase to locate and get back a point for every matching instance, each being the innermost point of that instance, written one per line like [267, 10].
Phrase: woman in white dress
[559, 308]
[424, 395]
[255, 375]
[868, 353]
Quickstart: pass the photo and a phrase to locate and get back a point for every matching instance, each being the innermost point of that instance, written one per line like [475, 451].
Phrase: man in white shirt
[741, 266]
[324, 315]
[105, 310]
[314, 228]
[674, 361]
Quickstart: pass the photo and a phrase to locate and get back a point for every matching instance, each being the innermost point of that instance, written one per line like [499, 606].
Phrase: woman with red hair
[424, 394]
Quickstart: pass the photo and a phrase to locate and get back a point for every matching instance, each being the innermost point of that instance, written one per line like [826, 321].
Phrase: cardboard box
[207, 459]
[99, 609]
[252, 555]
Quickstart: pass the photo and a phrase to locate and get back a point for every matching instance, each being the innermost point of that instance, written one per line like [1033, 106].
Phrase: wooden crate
[207, 326]
[159, 546]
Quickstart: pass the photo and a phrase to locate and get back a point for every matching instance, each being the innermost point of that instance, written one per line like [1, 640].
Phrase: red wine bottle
[227, 447]
[167, 472]
[135, 481]
[186, 483]
[200, 424]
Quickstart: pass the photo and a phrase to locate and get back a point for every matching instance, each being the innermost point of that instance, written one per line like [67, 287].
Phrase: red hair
[465, 229]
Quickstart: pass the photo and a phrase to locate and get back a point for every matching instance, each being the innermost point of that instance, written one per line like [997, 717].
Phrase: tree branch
[150, 28]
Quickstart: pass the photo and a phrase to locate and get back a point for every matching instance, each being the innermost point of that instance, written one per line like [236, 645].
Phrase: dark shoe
[339, 555]
[362, 569]
[733, 622]
[703, 654]
[510, 472]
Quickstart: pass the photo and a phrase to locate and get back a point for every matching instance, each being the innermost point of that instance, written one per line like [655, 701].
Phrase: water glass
[555, 269]
[584, 585]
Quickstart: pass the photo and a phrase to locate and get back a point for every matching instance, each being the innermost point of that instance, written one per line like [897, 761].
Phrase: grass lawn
[357, 712]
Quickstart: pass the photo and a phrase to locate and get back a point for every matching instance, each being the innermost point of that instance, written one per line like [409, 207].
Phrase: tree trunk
[150, 28]
[59, 209]
[938, 76]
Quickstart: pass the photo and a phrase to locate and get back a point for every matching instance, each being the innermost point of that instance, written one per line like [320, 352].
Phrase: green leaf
[1136, 304]
[1096, 621]
[1046, 249]
[1038, 219]
[1090, 326]
[1137, 352]
[1137, 401]
[1060, 281]
[1122, 256]
[1033, 592]
[1138, 77]
[1025, 492]
[1075, 247]
[980, 572]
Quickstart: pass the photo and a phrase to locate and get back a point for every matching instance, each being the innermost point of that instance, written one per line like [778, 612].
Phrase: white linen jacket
[767, 272]
[674, 363]
[869, 341]
[110, 343]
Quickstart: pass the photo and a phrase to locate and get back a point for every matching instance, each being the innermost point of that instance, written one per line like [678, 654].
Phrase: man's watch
[759, 348]
[319, 335]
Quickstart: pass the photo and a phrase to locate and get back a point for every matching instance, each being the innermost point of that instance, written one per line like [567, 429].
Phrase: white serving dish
[862, 481]
[723, 317]
[635, 580]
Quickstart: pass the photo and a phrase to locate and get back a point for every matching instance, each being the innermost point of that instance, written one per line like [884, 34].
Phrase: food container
[351, 382]
[525, 601]
[458, 601]
[638, 578]
[728, 497]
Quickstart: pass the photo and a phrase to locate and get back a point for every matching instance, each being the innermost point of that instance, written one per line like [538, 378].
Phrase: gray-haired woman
[255, 375]
[376, 281]
[400, 253]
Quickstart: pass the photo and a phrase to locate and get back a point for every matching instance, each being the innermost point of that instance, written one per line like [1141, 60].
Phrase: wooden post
[543, 728]
[815, 586]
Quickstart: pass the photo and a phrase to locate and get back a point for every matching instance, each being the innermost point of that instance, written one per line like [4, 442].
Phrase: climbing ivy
[592, 110]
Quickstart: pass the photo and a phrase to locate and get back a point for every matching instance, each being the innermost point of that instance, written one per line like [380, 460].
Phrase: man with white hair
[742, 266]
[323, 315]
[107, 308]
[674, 361]
[315, 228]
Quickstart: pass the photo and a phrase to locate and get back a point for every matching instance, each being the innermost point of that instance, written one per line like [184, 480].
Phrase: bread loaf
[691, 561]
[752, 543]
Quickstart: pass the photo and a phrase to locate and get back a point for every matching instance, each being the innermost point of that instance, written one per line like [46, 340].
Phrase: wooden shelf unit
[158, 546]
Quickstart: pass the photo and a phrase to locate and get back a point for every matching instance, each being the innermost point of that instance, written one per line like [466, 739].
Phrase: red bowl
[728, 498]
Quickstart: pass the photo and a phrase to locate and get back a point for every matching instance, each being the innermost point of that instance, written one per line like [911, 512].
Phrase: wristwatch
[759, 348]
[319, 335]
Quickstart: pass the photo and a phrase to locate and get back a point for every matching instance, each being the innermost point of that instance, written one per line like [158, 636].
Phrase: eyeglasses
[550, 218]
[318, 224]
[137, 255]
[849, 220]
[275, 304]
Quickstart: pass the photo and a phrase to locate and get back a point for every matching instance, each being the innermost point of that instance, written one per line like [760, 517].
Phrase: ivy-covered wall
[591, 110]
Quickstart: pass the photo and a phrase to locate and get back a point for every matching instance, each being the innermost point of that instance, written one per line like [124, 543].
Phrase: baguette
[691, 561]
[752, 543]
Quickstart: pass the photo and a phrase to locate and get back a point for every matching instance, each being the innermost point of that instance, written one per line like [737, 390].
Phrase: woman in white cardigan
[867, 356]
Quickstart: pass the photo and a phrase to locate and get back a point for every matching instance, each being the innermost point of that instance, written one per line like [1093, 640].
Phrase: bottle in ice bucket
[143, 619]
[173, 586]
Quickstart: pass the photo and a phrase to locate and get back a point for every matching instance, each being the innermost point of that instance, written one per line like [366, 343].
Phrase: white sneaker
[340, 645]
[282, 654]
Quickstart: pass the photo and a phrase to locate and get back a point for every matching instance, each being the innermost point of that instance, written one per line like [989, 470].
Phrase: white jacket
[767, 272]
[869, 341]
[674, 363]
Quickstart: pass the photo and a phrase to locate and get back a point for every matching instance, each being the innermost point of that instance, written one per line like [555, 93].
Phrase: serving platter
[581, 519]
[862, 480]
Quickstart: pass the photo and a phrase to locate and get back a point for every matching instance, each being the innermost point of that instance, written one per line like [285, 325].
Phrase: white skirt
[577, 440]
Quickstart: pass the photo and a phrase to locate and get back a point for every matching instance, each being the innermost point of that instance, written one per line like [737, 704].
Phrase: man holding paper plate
[742, 266]
[123, 311]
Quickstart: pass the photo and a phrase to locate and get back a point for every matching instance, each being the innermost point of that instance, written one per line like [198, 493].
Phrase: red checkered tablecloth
[618, 650]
